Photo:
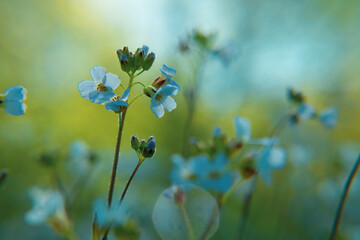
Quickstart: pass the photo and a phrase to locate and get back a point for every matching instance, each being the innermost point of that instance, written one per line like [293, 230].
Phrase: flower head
[106, 217]
[12, 100]
[118, 103]
[168, 73]
[270, 158]
[47, 206]
[200, 170]
[329, 117]
[162, 100]
[100, 89]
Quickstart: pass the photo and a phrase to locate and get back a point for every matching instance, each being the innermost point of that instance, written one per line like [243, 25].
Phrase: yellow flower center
[100, 86]
[158, 98]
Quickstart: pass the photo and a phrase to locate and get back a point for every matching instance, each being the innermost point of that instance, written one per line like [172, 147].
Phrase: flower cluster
[12, 100]
[144, 149]
[303, 110]
[101, 89]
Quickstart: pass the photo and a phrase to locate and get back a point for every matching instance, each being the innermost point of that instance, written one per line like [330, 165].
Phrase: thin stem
[116, 157]
[221, 202]
[140, 73]
[187, 222]
[345, 193]
[130, 180]
[280, 125]
[135, 98]
[137, 83]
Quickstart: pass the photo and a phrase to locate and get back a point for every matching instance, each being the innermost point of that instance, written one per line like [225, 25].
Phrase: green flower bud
[135, 144]
[295, 96]
[247, 167]
[139, 58]
[142, 145]
[124, 62]
[149, 149]
[149, 91]
[148, 62]
[126, 51]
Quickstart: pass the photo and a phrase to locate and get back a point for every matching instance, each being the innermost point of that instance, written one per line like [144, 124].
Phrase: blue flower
[329, 117]
[201, 171]
[270, 158]
[100, 90]
[305, 111]
[79, 158]
[12, 100]
[107, 217]
[242, 128]
[162, 100]
[46, 205]
[118, 103]
[169, 72]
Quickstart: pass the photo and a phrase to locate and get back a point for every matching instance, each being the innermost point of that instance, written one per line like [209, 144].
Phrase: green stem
[130, 180]
[221, 202]
[187, 222]
[135, 98]
[140, 73]
[345, 193]
[140, 83]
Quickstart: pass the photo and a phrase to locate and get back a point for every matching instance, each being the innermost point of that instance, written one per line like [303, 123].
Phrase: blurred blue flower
[107, 217]
[202, 171]
[169, 72]
[305, 111]
[270, 158]
[12, 100]
[79, 158]
[46, 204]
[162, 99]
[242, 128]
[100, 90]
[329, 117]
[118, 102]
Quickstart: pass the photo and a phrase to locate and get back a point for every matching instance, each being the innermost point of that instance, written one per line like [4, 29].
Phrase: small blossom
[47, 205]
[200, 170]
[271, 158]
[242, 128]
[100, 90]
[118, 103]
[329, 117]
[12, 100]
[169, 72]
[305, 111]
[162, 100]
[79, 158]
[107, 217]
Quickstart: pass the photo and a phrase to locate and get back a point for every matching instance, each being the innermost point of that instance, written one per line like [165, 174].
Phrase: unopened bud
[149, 91]
[149, 149]
[124, 62]
[148, 62]
[142, 145]
[295, 96]
[126, 51]
[135, 144]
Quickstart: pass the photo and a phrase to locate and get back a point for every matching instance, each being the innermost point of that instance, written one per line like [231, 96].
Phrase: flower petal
[146, 49]
[97, 73]
[242, 128]
[157, 109]
[167, 90]
[111, 81]
[305, 111]
[101, 97]
[169, 104]
[172, 82]
[86, 87]
[15, 108]
[168, 71]
[115, 106]
[329, 117]
[125, 95]
[16, 93]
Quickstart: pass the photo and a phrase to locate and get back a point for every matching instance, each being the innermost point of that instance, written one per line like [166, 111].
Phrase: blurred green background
[48, 47]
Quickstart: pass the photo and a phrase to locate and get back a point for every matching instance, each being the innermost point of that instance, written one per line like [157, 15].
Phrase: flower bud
[295, 96]
[124, 62]
[148, 62]
[139, 58]
[150, 149]
[142, 145]
[126, 51]
[247, 167]
[149, 91]
[135, 144]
